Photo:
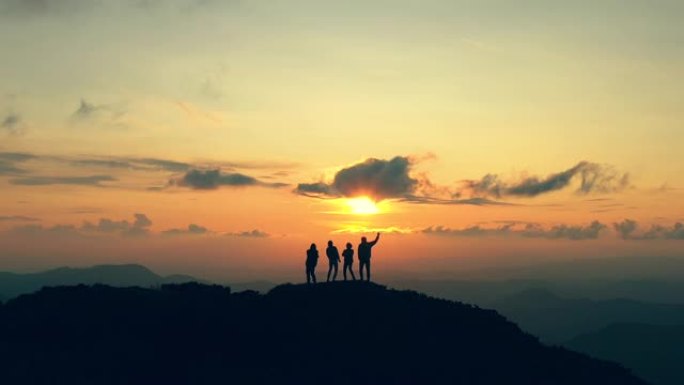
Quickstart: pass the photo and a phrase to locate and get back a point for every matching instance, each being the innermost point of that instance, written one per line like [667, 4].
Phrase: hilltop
[341, 333]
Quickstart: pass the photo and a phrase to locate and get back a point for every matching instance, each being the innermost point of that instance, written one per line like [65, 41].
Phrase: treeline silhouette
[337, 333]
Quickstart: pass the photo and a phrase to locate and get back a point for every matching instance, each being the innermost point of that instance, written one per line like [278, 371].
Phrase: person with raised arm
[365, 256]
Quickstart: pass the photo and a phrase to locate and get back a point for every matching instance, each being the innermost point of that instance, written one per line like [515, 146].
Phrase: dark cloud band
[213, 179]
[592, 178]
[530, 230]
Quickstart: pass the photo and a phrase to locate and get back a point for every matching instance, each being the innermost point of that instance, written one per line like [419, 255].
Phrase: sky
[221, 138]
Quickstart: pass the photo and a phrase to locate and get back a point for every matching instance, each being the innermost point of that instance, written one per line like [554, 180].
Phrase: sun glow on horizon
[362, 206]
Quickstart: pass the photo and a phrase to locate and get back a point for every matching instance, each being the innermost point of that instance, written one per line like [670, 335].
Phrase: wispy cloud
[395, 178]
[106, 114]
[129, 163]
[357, 229]
[11, 123]
[249, 234]
[140, 226]
[90, 180]
[192, 229]
[195, 175]
[592, 177]
[9, 160]
[530, 230]
[213, 179]
[630, 230]
[17, 218]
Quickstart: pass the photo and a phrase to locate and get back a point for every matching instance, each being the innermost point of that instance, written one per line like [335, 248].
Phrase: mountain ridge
[14, 284]
[194, 333]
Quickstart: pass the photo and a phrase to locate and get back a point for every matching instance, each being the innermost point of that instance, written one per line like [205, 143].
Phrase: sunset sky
[221, 138]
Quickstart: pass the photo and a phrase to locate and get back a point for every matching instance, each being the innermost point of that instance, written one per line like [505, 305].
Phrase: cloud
[8, 162]
[107, 113]
[17, 218]
[148, 163]
[131, 163]
[455, 201]
[40, 7]
[33, 8]
[591, 231]
[593, 178]
[162, 164]
[196, 176]
[213, 179]
[318, 189]
[249, 234]
[140, 226]
[626, 228]
[86, 109]
[629, 230]
[11, 123]
[473, 231]
[34, 230]
[16, 156]
[91, 180]
[192, 229]
[9, 168]
[355, 229]
[395, 178]
[376, 178]
[530, 230]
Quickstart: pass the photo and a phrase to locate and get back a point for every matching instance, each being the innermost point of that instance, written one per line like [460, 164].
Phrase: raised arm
[377, 238]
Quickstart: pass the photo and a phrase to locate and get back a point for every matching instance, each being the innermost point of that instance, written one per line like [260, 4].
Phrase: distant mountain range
[555, 319]
[339, 333]
[653, 351]
[14, 284]
[595, 326]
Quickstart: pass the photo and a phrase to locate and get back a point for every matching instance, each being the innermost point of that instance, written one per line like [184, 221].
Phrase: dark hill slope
[327, 334]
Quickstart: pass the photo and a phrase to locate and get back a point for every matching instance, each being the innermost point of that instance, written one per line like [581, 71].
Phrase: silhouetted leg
[365, 264]
[344, 271]
[352, 272]
[334, 272]
[310, 274]
[330, 267]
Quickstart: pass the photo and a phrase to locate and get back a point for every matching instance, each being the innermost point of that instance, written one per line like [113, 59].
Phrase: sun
[362, 206]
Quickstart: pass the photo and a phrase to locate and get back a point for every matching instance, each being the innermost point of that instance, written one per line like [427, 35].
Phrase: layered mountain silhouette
[556, 319]
[655, 352]
[14, 284]
[339, 333]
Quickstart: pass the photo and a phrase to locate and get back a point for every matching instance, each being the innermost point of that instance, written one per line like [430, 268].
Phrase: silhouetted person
[333, 259]
[348, 255]
[311, 261]
[365, 256]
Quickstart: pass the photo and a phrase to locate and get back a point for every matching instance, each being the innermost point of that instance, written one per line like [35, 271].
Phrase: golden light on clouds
[359, 228]
[365, 206]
